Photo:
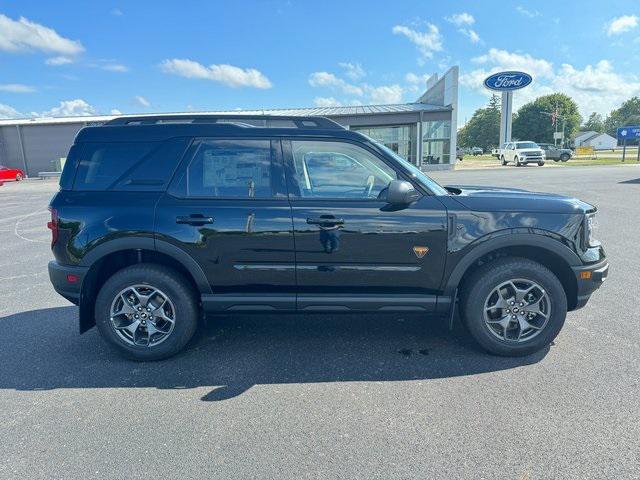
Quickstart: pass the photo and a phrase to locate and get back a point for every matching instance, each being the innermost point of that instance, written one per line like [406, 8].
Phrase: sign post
[631, 132]
[507, 82]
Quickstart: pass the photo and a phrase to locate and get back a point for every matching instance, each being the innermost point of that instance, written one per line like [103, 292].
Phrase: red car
[7, 173]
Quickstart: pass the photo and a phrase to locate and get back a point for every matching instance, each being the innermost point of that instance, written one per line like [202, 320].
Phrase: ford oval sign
[507, 81]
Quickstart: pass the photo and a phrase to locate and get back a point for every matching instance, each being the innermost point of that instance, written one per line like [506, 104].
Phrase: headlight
[589, 227]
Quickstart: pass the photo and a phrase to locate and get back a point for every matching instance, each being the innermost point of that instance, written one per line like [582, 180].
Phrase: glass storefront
[399, 138]
[436, 141]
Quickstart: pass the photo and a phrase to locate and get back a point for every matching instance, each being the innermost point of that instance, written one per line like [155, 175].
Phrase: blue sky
[68, 57]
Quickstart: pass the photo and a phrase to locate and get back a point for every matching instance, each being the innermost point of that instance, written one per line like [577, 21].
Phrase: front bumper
[67, 280]
[533, 159]
[589, 278]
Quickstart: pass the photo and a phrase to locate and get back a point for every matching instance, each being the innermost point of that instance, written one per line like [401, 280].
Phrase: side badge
[420, 251]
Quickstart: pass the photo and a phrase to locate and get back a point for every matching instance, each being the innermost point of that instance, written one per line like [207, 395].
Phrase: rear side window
[229, 169]
[128, 166]
[69, 170]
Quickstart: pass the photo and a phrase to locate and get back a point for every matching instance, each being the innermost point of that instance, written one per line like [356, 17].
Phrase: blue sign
[628, 133]
[507, 81]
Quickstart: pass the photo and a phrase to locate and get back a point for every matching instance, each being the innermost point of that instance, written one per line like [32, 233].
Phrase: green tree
[595, 123]
[483, 128]
[627, 114]
[533, 120]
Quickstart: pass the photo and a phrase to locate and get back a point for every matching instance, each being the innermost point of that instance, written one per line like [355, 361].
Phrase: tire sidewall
[473, 306]
[173, 285]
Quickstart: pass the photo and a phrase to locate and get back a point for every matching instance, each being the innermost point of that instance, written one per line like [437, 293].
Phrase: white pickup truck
[521, 153]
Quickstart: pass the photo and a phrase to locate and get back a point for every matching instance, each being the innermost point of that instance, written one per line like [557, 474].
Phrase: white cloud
[472, 34]
[16, 88]
[115, 67]
[595, 88]
[527, 13]
[426, 42]
[57, 61]
[460, 19]
[141, 101]
[622, 24]
[9, 112]
[353, 70]
[228, 75]
[69, 108]
[504, 60]
[326, 79]
[115, 111]
[24, 35]
[326, 102]
[416, 79]
[385, 94]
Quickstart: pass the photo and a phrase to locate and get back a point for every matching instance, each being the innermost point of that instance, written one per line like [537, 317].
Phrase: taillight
[53, 226]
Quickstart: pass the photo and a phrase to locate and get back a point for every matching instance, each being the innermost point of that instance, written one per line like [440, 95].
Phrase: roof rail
[260, 121]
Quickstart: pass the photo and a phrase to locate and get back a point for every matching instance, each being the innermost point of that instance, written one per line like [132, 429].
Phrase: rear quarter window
[128, 166]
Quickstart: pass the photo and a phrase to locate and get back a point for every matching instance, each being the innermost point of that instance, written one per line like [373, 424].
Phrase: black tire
[540, 164]
[478, 287]
[564, 157]
[517, 160]
[18, 177]
[174, 286]
[504, 162]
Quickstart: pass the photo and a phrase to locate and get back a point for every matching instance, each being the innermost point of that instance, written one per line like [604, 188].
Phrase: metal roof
[342, 111]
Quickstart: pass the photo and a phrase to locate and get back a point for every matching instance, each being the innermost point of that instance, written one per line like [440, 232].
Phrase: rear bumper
[589, 278]
[67, 280]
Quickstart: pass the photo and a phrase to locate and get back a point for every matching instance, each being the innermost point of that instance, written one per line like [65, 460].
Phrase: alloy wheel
[142, 315]
[517, 310]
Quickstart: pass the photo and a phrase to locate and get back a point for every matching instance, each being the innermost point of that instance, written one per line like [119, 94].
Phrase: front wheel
[504, 162]
[540, 164]
[518, 164]
[564, 157]
[513, 306]
[147, 312]
[18, 177]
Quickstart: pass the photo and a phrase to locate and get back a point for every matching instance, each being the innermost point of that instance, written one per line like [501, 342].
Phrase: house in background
[599, 141]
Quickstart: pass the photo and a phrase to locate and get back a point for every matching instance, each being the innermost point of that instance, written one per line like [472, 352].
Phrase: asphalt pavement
[324, 396]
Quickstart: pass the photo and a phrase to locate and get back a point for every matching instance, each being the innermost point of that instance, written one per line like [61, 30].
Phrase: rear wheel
[147, 312]
[513, 306]
[18, 177]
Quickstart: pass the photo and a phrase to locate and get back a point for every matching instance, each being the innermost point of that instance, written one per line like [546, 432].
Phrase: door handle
[325, 221]
[194, 219]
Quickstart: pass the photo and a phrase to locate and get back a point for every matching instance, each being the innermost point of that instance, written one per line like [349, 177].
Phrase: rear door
[353, 250]
[227, 208]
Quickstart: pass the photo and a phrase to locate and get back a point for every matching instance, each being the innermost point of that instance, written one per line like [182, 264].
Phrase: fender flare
[149, 243]
[550, 244]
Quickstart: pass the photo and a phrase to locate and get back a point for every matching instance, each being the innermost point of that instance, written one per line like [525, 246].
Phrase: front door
[354, 251]
[227, 208]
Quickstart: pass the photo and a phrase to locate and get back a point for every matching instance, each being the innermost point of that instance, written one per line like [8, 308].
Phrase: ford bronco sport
[161, 220]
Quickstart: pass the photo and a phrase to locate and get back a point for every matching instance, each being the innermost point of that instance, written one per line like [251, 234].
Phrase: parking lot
[393, 396]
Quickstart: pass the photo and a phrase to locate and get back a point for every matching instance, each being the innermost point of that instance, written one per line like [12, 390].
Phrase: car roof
[163, 127]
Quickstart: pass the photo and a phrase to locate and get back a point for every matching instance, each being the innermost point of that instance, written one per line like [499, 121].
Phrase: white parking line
[24, 217]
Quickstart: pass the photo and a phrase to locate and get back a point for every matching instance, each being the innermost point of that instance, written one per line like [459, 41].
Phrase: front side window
[338, 170]
[521, 145]
[229, 168]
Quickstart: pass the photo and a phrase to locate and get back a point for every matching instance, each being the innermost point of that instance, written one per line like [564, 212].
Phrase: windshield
[521, 145]
[416, 173]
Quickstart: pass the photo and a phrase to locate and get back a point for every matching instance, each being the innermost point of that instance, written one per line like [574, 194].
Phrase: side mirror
[401, 192]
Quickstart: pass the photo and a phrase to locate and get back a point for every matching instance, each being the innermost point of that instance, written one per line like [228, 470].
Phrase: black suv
[161, 220]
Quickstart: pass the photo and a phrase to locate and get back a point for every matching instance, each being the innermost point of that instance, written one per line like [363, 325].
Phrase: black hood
[500, 199]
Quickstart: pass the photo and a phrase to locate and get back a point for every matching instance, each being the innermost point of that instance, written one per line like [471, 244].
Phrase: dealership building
[423, 132]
